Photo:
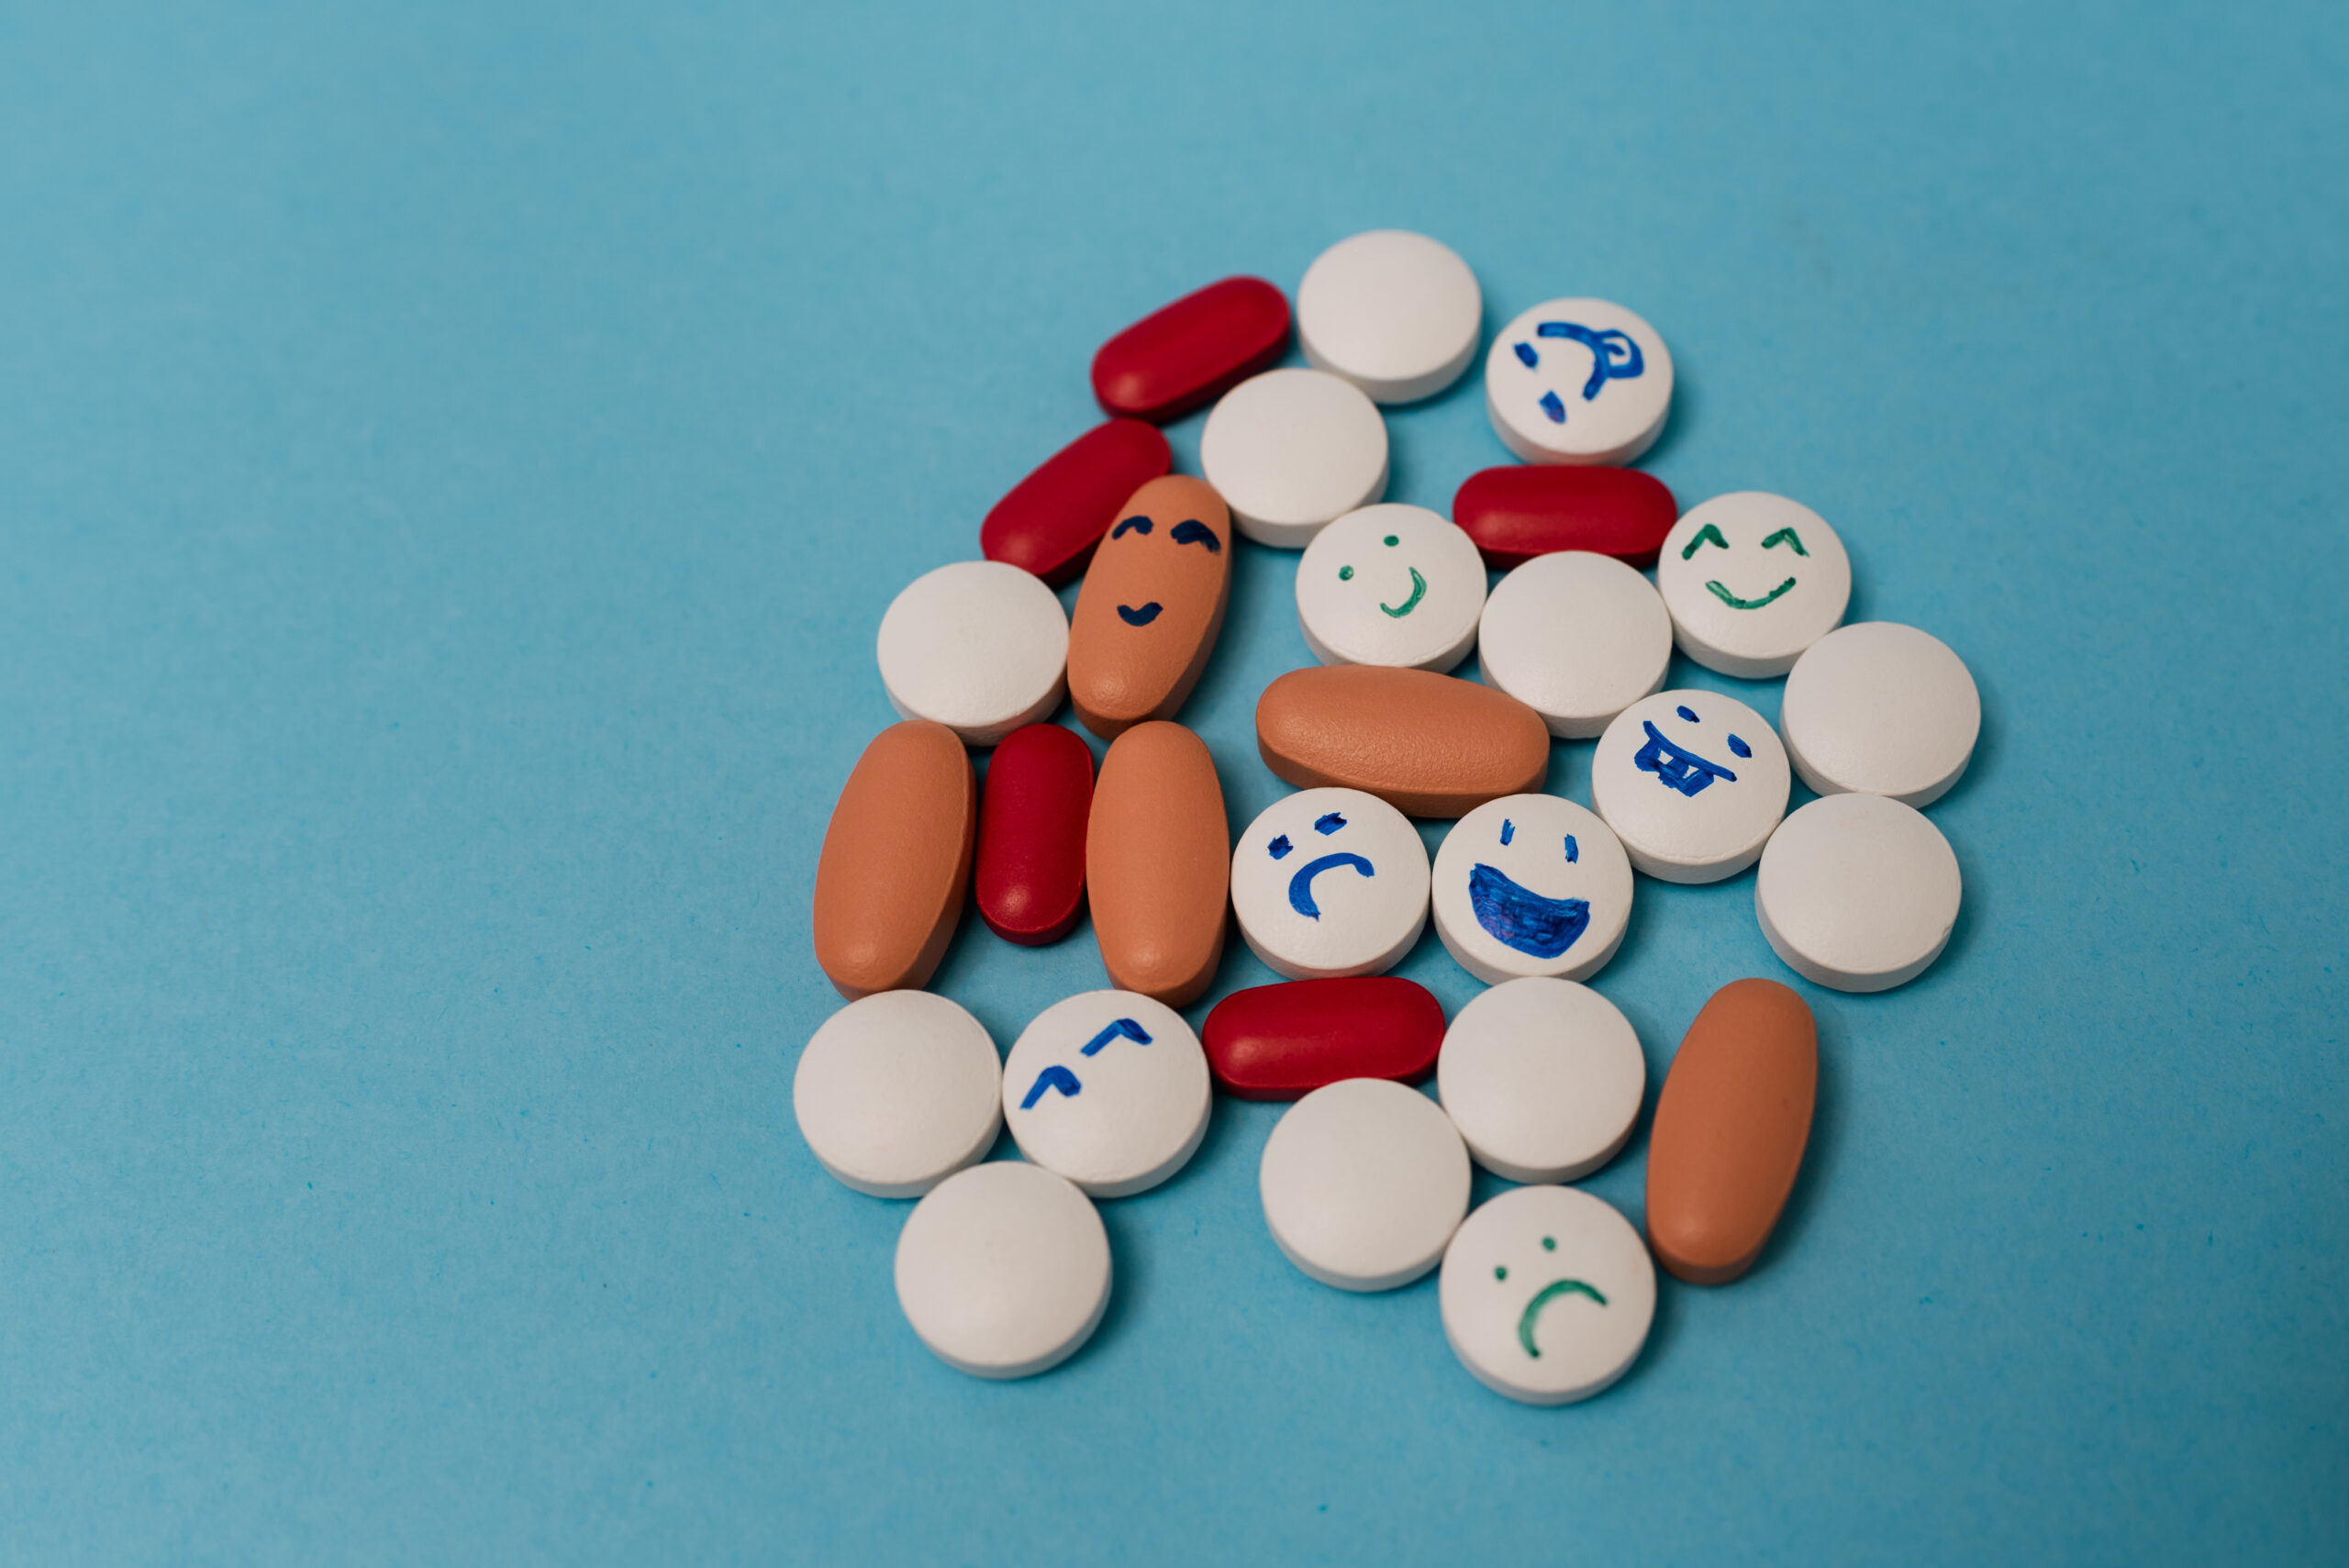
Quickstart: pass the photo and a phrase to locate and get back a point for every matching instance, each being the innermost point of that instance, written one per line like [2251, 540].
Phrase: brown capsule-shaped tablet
[1730, 1129]
[1158, 863]
[1152, 604]
[1428, 745]
[897, 861]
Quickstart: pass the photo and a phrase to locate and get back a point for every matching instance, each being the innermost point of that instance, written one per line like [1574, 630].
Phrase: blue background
[454, 460]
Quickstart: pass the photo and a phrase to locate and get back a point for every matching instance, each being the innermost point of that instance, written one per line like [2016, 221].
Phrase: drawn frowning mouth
[1301, 886]
[1541, 1298]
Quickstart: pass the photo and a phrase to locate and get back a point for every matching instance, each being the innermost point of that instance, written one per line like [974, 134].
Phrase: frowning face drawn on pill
[1608, 354]
[1677, 764]
[1300, 884]
[1330, 882]
[1547, 1294]
[1558, 1290]
[1517, 916]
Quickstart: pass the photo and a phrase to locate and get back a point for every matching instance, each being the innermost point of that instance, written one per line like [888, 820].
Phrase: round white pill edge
[1693, 783]
[1858, 892]
[1877, 708]
[1577, 638]
[1003, 1270]
[1547, 1294]
[1578, 380]
[1752, 580]
[1542, 1078]
[1329, 883]
[1530, 885]
[1363, 1182]
[978, 646]
[1291, 450]
[1396, 313]
[898, 1091]
[1391, 585]
[1109, 1089]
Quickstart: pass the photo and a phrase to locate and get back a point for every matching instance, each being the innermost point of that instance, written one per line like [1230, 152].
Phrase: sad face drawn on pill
[1300, 884]
[1675, 764]
[1613, 357]
[1709, 536]
[1056, 1077]
[1329, 882]
[1560, 1292]
[1152, 602]
[1517, 916]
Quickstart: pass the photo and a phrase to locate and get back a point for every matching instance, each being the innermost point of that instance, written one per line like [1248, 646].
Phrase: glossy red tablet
[1031, 872]
[1278, 1042]
[1516, 513]
[1052, 520]
[1192, 351]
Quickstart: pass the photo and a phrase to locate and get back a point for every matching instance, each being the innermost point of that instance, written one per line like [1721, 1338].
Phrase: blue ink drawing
[1280, 847]
[1686, 713]
[1739, 747]
[1526, 357]
[1193, 532]
[1116, 1029]
[1054, 1077]
[1329, 822]
[1674, 768]
[1519, 918]
[1141, 617]
[1138, 525]
[1614, 357]
[1553, 407]
[1301, 886]
[1509, 830]
[1574, 851]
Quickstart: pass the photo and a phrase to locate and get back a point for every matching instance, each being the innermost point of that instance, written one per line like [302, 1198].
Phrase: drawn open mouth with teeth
[1517, 916]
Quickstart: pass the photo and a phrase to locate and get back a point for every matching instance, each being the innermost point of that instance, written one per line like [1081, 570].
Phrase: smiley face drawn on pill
[1676, 766]
[1190, 531]
[1517, 916]
[1393, 585]
[1561, 1289]
[1056, 1076]
[1614, 356]
[1419, 584]
[1152, 602]
[1330, 882]
[1711, 535]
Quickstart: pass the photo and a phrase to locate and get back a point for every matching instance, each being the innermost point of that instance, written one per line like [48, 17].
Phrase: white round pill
[978, 646]
[1857, 892]
[1003, 1270]
[1393, 312]
[1547, 1294]
[1576, 637]
[1110, 1089]
[1542, 1077]
[1328, 883]
[1881, 708]
[1693, 783]
[1290, 449]
[1532, 884]
[1391, 585]
[1579, 381]
[1363, 1182]
[898, 1091]
[1752, 580]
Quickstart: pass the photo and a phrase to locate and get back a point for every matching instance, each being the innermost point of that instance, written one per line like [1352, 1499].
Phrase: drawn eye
[1686, 714]
[1190, 531]
[1574, 851]
[1786, 537]
[1526, 357]
[1280, 846]
[1345, 574]
[1329, 824]
[1500, 1271]
[1509, 830]
[1392, 542]
[1549, 1243]
[1740, 747]
[1708, 534]
[1138, 525]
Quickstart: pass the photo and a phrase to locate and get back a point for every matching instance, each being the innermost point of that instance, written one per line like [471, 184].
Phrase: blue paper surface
[454, 460]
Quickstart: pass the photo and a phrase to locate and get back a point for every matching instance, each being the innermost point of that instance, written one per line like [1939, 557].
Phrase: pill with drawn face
[1428, 745]
[1153, 603]
[1578, 380]
[1692, 782]
[1110, 1089]
[897, 861]
[1157, 864]
[1391, 584]
[1329, 883]
[1547, 1294]
[1532, 884]
[1752, 580]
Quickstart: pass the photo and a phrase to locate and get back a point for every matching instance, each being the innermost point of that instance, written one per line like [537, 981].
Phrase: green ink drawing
[1419, 590]
[1500, 1271]
[1542, 1299]
[1706, 532]
[1786, 535]
[1549, 1243]
[1733, 602]
[1345, 574]
[1392, 541]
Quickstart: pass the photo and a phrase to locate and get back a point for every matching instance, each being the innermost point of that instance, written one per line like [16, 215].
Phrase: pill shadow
[1825, 1146]
[1129, 1280]
[1683, 413]
[1984, 763]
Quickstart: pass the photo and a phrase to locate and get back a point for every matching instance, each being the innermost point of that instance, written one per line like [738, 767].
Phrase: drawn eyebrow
[1190, 531]
[1787, 536]
[1329, 823]
[1713, 533]
[1280, 847]
[1140, 524]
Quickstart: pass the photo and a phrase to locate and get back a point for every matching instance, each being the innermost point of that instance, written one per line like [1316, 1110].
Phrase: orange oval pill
[1152, 604]
[1730, 1129]
[897, 861]
[1158, 863]
[1428, 745]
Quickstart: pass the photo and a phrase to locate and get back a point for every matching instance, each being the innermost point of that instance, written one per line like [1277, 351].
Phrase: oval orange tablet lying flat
[1152, 604]
[897, 861]
[1429, 745]
[1158, 863]
[1730, 1129]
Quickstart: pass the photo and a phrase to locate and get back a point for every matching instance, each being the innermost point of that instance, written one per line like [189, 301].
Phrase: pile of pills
[1003, 1268]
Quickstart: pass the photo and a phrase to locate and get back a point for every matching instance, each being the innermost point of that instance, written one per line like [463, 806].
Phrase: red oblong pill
[1050, 522]
[1030, 871]
[1278, 1042]
[1515, 514]
[1192, 351]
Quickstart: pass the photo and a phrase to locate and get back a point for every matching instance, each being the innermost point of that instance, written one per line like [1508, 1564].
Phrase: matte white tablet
[1110, 1089]
[1547, 1294]
[1397, 314]
[1857, 892]
[1578, 380]
[1391, 585]
[1003, 1270]
[1752, 580]
[898, 1091]
[1532, 884]
[1692, 782]
[1576, 637]
[1329, 882]
[1881, 708]
[1542, 1077]
[1290, 449]
[978, 646]
[1363, 1182]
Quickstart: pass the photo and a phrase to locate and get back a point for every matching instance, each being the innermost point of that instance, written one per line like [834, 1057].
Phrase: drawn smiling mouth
[1733, 602]
[1519, 918]
[1301, 886]
[1546, 1295]
[1418, 592]
[1141, 617]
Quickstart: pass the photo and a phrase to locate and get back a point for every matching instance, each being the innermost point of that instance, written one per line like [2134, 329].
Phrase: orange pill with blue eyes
[1152, 606]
